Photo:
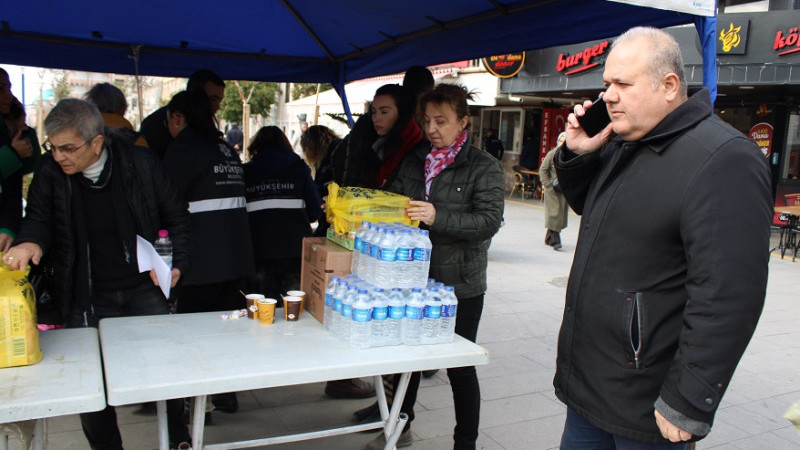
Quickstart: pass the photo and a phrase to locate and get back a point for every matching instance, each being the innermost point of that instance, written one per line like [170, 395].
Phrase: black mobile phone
[596, 117]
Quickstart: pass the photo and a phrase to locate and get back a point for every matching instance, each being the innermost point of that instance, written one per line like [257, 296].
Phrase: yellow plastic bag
[793, 414]
[347, 207]
[19, 337]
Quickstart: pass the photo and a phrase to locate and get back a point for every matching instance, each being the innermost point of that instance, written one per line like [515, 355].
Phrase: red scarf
[439, 158]
[409, 137]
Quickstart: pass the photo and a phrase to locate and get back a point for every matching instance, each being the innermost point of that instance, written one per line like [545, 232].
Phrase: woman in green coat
[457, 193]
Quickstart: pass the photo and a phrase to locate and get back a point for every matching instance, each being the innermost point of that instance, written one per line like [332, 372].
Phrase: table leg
[39, 434]
[163, 430]
[393, 422]
[782, 239]
[198, 421]
[391, 441]
[3, 442]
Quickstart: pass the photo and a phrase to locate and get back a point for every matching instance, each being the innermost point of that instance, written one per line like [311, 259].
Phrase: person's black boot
[369, 414]
[556, 241]
[226, 402]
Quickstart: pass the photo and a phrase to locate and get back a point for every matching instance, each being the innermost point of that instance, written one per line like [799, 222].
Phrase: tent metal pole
[136, 52]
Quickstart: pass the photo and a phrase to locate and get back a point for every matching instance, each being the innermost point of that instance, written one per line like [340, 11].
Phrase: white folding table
[68, 380]
[155, 358]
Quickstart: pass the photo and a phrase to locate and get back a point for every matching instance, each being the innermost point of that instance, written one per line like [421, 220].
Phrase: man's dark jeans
[579, 434]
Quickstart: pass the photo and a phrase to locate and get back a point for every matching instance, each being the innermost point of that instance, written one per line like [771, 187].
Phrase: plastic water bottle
[163, 246]
[361, 325]
[449, 310]
[404, 275]
[431, 283]
[330, 289]
[387, 255]
[422, 257]
[380, 317]
[377, 234]
[347, 312]
[394, 323]
[369, 253]
[338, 301]
[412, 324]
[359, 244]
[431, 317]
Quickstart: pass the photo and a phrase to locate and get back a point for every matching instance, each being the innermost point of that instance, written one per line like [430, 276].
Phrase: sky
[32, 81]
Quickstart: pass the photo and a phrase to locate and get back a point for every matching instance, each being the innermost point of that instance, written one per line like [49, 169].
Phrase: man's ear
[672, 86]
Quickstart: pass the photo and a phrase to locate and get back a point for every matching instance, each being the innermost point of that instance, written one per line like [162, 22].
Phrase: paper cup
[292, 306]
[251, 300]
[300, 294]
[266, 310]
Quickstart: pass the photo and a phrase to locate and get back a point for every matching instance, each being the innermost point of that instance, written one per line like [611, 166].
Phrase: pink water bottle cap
[163, 233]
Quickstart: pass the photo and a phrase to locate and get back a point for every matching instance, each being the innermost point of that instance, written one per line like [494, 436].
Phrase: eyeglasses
[64, 149]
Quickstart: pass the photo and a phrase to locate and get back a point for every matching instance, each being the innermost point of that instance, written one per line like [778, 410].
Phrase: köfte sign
[761, 134]
[581, 62]
[505, 66]
[789, 41]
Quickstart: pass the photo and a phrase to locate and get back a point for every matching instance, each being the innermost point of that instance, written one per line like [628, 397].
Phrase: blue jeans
[579, 434]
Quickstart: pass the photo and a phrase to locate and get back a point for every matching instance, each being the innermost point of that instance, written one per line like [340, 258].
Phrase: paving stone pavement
[519, 327]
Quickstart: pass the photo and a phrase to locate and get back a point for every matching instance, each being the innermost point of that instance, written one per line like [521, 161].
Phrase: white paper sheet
[150, 259]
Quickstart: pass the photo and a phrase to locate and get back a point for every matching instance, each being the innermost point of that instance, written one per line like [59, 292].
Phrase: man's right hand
[577, 139]
[18, 256]
[22, 145]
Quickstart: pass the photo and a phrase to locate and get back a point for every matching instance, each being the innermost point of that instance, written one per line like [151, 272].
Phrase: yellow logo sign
[730, 38]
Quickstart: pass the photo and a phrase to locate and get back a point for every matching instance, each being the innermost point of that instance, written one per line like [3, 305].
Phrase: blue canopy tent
[300, 40]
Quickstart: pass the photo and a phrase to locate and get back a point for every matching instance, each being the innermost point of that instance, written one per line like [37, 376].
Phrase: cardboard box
[321, 261]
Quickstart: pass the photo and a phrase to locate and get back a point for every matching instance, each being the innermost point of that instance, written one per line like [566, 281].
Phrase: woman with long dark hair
[370, 155]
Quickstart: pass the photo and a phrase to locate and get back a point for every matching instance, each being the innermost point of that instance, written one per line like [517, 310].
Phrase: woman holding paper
[91, 196]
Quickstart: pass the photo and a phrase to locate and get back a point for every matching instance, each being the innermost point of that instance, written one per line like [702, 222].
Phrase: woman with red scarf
[458, 194]
[369, 157]
[371, 154]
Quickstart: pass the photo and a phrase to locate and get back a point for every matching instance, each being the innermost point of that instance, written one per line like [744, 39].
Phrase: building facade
[758, 62]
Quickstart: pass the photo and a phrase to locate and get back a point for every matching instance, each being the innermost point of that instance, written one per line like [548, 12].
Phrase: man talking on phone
[670, 270]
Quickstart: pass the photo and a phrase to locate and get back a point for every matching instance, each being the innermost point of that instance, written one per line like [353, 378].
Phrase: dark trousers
[463, 381]
[275, 277]
[579, 434]
[223, 296]
[100, 427]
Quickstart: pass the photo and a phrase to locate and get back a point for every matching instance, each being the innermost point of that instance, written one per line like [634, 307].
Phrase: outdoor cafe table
[155, 358]
[68, 380]
[787, 238]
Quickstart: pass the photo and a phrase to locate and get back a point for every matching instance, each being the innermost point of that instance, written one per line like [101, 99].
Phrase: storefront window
[507, 123]
[791, 166]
